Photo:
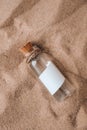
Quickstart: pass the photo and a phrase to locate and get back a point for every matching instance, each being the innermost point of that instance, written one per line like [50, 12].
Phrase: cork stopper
[26, 49]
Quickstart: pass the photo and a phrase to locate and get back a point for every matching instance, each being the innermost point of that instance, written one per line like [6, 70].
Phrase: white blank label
[52, 78]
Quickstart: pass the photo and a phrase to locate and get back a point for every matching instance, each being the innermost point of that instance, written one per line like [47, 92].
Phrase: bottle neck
[33, 54]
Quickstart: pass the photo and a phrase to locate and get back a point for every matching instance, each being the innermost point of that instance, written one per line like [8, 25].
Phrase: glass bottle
[51, 77]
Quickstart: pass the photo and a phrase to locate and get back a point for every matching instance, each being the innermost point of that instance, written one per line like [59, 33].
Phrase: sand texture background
[61, 27]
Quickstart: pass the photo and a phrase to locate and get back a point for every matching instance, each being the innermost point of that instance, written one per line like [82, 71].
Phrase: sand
[61, 27]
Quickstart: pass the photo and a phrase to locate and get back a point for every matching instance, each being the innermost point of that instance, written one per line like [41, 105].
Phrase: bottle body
[50, 76]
